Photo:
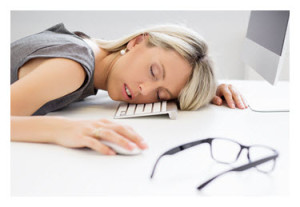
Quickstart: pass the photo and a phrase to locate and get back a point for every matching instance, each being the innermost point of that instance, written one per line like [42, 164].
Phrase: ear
[137, 40]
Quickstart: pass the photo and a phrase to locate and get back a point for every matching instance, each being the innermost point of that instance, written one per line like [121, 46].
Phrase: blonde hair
[201, 86]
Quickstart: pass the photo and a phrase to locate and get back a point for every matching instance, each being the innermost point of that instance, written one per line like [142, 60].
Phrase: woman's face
[147, 74]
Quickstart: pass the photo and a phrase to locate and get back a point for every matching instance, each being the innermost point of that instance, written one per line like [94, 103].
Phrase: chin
[113, 96]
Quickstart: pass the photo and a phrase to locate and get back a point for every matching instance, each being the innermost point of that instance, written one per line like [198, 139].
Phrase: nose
[146, 88]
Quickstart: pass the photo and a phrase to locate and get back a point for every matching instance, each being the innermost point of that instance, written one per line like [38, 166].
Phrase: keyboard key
[131, 109]
[148, 108]
[126, 110]
[164, 106]
[122, 109]
[156, 107]
[139, 109]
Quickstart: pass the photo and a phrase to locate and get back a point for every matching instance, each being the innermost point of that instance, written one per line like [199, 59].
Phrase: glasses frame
[240, 168]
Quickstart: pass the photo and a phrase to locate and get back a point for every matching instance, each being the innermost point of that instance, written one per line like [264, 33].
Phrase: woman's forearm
[73, 133]
[34, 128]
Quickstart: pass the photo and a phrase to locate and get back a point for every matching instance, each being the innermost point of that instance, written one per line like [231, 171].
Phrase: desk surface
[45, 169]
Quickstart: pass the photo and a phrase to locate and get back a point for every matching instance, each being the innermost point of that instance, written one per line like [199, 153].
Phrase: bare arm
[52, 79]
[35, 128]
[73, 133]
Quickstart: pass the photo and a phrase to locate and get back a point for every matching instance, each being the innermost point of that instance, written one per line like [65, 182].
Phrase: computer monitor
[266, 43]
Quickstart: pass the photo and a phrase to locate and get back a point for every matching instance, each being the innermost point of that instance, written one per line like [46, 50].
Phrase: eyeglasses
[227, 151]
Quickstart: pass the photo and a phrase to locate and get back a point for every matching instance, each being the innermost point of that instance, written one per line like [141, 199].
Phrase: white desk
[44, 169]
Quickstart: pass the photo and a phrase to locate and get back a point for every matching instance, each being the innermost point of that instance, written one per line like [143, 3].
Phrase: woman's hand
[87, 133]
[74, 133]
[229, 94]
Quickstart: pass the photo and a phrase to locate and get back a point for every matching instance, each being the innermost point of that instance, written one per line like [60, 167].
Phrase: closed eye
[151, 71]
[157, 93]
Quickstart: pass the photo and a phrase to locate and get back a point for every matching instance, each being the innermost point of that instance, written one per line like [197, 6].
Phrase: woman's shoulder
[55, 41]
[53, 36]
[59, 28]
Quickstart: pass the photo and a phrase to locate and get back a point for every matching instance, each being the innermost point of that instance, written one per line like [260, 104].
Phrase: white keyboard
[126, 110]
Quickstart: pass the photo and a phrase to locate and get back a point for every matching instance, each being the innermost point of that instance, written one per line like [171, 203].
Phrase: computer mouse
[121, 150]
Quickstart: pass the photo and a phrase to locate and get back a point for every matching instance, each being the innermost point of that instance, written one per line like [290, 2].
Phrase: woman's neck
[104, 61]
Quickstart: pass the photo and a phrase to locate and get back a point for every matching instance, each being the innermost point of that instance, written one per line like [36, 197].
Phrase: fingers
[232, 97]
[217, 100]
[244, 101]
[228, 97]
[94, 144]
[120, 134]
[237, 97]
[129, 133]
[114, 137]
[88, 133]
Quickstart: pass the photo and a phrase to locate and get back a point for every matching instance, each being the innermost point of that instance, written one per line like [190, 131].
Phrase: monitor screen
[268, 28]
[266, 43]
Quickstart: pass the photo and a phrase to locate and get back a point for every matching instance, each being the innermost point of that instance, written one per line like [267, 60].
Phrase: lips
[127, 92]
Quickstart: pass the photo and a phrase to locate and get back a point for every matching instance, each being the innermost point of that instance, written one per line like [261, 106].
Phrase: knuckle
[236, 93]
[123, 141]
[90, 142]
[104, 149]
[223, 85]
[103, 120]
[106, 132]
[129, 127]
[238, 101]
[87, 129]
[81, 139]
[227, 94]
[122, 128]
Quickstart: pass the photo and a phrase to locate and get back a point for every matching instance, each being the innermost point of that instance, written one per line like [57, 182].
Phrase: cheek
[135, 63]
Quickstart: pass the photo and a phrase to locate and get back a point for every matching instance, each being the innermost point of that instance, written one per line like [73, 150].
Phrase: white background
[224, 31]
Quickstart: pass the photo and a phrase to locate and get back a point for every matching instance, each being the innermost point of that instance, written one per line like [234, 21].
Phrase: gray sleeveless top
[56, 41]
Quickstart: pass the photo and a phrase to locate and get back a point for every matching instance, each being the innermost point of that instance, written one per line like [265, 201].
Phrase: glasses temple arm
[240, 168]
[152, 174]
[255, 163]
[200, 187]
[178, 149]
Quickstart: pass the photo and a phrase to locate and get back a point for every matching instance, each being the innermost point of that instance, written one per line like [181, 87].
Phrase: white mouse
[121, 150]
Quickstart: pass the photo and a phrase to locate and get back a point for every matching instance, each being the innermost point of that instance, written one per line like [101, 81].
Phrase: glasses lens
[224, 150]
[260, 152]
